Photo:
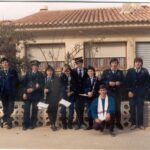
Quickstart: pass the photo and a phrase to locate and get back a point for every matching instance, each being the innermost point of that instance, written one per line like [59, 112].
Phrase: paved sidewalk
[43, 137]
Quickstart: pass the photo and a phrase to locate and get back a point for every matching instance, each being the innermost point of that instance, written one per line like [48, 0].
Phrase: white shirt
[113, 71]
[137, 70]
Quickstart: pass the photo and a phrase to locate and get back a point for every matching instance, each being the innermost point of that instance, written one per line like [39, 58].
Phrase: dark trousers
[79, 106]
[136, 110]
[30, 120]
[63, 110]
[8, 108]
[102, 125]
[52, 112]
[90, 119]
[117, 97]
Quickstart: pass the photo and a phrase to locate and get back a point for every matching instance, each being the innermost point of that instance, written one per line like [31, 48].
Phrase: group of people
[100, 95]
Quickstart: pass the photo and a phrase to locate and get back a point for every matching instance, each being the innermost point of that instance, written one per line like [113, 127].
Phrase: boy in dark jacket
[137, 81]
[91, 90]
[68, 93]
[52, 91]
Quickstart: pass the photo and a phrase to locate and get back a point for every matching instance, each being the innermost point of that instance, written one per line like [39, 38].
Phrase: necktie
[80, 73]
[69, 82]
[6, 72]
[33, 73]
[48, 79]
[113, 71]
[137, 70]
[91, 81]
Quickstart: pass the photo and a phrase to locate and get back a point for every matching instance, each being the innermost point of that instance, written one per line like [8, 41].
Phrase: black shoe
[112, 133]
[70, 126]
[32, 127]
[76, 127]
[54, 128]
[9, 126]
[133, 127]
[64, 126]
[102, 128]
[142, 127]
[107, 126]
[1, 122]
[83, 126]
[24, 128]
[119, 126]
[89, 128]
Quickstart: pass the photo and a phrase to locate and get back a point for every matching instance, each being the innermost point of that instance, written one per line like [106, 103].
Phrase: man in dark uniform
[91, 86]
[9, 81]
[33, 84]
[113, 78]
[137, 81]
[80, 74]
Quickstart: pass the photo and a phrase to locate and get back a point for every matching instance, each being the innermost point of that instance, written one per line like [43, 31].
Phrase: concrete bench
[44, 121]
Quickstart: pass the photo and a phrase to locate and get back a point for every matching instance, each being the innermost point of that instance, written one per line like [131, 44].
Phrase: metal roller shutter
[143, 51]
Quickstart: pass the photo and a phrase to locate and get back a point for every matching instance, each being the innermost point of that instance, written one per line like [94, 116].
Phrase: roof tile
[85, 17]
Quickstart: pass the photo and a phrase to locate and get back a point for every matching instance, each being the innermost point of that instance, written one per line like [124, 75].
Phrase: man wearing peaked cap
[35, 62]
[80, 74]
[33, 84]
[78, 60]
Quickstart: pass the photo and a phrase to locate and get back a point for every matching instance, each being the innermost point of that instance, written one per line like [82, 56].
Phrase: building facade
[95, 34]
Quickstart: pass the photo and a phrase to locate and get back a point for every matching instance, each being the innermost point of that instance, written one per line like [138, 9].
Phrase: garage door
[53, 53]
[143, 51]
[99, 54]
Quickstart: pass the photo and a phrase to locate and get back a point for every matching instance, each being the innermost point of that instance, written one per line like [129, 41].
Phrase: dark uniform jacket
[30, 80]
[80, 80]
[9, 83]
[67, 85]
[88, 87]
[54, 87]
[108, 76]
[137, 83]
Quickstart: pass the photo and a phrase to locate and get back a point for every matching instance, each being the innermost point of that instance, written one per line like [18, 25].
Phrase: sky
[16, 10]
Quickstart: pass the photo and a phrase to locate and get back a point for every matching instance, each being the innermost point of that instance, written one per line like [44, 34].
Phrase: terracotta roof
[83, 17]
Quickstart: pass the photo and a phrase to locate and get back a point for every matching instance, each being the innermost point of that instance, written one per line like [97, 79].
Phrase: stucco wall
[74, 37]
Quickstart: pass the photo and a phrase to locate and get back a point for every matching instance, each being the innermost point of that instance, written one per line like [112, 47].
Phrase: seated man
[102, 110]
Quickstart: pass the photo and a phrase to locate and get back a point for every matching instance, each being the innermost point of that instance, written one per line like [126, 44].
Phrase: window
[54, 54]
[100, 54]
